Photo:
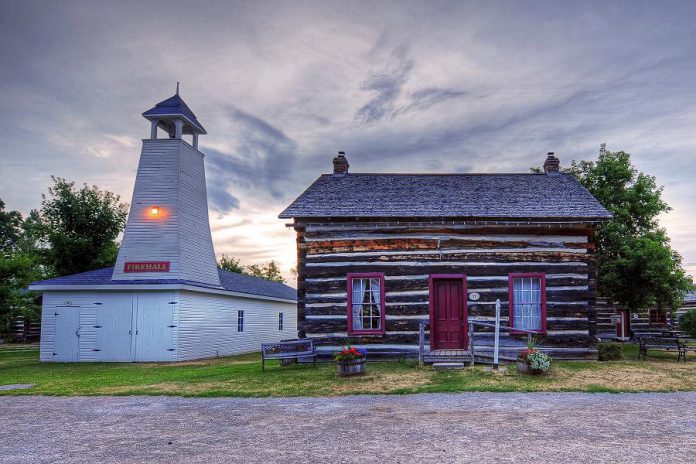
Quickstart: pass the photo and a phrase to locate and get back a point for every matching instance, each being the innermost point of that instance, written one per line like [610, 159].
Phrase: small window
[657, 316]
[366, 303]
[280, 321]
[240, 321]
[528, 302]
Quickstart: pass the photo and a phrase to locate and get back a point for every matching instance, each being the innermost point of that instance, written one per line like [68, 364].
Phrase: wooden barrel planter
[524, 367]
[353, 367]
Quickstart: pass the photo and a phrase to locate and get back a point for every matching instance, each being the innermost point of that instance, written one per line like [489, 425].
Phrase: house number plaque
[473, 296]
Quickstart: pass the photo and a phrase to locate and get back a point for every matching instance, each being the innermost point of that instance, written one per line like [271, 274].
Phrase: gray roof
[690, 296]
[558, 196]
[230, 281]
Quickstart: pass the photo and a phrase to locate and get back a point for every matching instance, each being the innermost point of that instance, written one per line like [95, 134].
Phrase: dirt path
[470, 427]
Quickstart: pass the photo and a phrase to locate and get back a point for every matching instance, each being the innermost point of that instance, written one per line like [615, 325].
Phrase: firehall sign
[146, 266]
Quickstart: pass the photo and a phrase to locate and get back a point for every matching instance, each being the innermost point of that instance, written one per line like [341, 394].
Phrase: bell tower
[167, 236]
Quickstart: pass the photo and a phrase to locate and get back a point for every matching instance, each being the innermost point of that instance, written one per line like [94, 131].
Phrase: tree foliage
[20, 264]
[231, 264]
[10, 229]
[637, 266]
[687, 323]
[80, 226]
[268, 271]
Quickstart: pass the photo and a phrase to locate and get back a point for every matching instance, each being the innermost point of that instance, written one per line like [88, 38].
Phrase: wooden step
[442, 366]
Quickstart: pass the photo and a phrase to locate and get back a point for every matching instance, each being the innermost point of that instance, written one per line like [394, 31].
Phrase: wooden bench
[289, 349]
[661, 343]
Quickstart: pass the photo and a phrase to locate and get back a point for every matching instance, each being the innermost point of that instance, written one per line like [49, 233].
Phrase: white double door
[118, 327]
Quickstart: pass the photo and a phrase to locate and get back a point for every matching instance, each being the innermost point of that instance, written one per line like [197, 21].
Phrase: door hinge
[55, 354]
[97, 327]
[171, 349]
[172, 302]
[96, 349]
[98, 303]
[171, 326]
[56, 314]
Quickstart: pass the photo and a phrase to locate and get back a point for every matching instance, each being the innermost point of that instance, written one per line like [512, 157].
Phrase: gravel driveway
[438, 428]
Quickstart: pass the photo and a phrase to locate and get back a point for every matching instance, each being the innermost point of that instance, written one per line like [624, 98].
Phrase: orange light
[154, 210]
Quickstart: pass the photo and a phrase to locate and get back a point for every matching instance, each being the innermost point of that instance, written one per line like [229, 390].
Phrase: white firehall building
[165, 299]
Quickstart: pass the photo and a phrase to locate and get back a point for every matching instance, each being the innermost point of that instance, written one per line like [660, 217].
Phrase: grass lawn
[242, 376]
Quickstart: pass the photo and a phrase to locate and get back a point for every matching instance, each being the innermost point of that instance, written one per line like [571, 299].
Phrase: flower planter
[524, 367]
[353, 367]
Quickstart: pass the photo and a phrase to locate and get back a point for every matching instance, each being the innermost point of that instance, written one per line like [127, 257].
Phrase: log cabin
[377, 254]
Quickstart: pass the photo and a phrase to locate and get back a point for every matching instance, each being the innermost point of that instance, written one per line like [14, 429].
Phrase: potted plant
[532, 361]
[350, 361]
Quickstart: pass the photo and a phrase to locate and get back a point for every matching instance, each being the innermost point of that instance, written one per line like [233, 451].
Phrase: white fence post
[497, 334]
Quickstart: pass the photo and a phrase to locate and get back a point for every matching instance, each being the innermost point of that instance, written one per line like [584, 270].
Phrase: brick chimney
[552, 164]
[340, 165]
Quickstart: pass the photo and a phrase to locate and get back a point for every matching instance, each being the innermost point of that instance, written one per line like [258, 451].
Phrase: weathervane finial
[177, 87]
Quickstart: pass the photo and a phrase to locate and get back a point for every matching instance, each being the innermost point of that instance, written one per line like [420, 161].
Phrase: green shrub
[539, 360]
[687, 323]
[610, 351]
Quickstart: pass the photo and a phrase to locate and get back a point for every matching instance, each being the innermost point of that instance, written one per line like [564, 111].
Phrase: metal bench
[661, 343]
[292, 349]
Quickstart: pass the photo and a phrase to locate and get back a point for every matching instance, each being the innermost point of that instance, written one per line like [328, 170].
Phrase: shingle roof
[447, 195]
[174, 106]
[690, 296]
[230, 281]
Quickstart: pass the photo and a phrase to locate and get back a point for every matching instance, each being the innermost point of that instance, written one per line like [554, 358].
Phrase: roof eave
[133, 287]
[198, 126]
[301, 217]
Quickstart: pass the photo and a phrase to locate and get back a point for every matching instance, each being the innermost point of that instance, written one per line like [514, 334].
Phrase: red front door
[448, 320]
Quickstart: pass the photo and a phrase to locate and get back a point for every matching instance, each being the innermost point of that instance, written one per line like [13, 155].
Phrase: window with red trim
[657, 316]
[528, 301]
[365, 303]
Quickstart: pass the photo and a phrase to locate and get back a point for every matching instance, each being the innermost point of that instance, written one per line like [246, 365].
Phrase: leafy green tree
[231, 264]
[687, 323]
[637, 266]
[20, 264]
[268, 271]
[80, 226]
[10, 228]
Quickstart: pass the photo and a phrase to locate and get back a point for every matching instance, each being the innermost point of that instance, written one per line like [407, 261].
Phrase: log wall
[407, 253]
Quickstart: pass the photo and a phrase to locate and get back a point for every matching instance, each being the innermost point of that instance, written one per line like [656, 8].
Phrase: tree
[231, 264]
[636, 264]
[269, 271]
[80, 226]
[10, 228]
[20, 264]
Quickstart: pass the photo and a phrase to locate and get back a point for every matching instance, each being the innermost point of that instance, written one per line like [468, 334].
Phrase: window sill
[365, 332]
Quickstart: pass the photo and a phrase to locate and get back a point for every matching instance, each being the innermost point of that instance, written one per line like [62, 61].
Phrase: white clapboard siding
[171, 176]
[208, 324]
[165, 325]
[197, 255]
[83, 303]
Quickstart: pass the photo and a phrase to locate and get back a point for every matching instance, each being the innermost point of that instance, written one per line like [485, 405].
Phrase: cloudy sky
[400, 86]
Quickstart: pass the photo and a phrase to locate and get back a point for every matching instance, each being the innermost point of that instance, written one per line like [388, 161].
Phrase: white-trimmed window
[240, 321]
[365, 303]
[528, 301]
[280, 321]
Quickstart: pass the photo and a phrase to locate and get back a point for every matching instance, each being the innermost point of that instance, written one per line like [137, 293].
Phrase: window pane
[527, 303]
[366, 304]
